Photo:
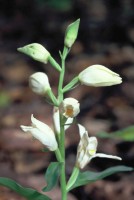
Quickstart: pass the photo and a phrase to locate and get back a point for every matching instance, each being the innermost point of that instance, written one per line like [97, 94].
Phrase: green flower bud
[71, 33]
[36, 51]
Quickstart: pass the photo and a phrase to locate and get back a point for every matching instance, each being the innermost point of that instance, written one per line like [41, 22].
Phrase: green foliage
[126, 134]
[28, 193]
[4, 99]
[73, 178]
[89, 177]
[61, 5]
[51, 176]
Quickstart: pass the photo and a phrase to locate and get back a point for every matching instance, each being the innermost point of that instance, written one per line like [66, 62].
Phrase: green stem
[71, 85]
[62, 73]
[62, 150]
[62, 132]
[58, 155]
[52, 97]
[63, 182]
[54, 64]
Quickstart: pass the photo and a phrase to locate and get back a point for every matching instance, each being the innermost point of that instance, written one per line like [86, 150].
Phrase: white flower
[56, 120]
[39, 83]
[36, 51]
[87, 148]
[98, 75]
[42, 132]
[70, 107]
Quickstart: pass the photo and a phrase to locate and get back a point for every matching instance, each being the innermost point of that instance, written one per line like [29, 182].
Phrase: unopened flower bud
[39, 83]
[71, 33]
[98, 75]
[70, 107]
[36, 51]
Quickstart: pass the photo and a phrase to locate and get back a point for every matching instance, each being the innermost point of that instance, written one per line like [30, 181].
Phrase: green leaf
[28, 193]
[89, 177]
[126, 134]
[73, 178]
[52, 175]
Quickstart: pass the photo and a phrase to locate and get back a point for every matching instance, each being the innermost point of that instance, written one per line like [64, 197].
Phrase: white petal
[92, 145]
[56, 120]
[84, 161]
[98, 75]
[45, 138]
[42, 132]
[26, 128]
[40, 125]
[82, 130]
[102, 155]
[68, 123]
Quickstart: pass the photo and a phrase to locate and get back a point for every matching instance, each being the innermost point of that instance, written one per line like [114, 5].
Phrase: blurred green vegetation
[61, 5]
[126, 134]
[4, 99]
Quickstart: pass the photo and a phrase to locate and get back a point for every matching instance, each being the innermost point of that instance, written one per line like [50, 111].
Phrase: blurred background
[106, 37]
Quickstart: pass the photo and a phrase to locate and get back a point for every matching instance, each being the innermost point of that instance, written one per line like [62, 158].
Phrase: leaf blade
[28, 193]
[89, 177]
[126, 134]
[52, 175]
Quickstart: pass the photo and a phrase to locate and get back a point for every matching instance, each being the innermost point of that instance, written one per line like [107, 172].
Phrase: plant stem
[63, 183]
[71, 85]
[61, 79]
[62, 131]
[62, 150]
[58, 155]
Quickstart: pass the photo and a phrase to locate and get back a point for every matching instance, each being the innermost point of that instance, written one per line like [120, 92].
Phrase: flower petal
[82, 130]
[69, 107]
[42, 132]
[56, 120]
[26, 128]
[98, 75]
[102, 155]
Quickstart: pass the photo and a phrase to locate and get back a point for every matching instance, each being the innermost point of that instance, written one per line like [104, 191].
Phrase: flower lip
[69, 111]
[69, 107]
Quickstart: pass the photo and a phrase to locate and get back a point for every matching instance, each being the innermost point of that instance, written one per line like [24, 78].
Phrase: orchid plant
[65, 110]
